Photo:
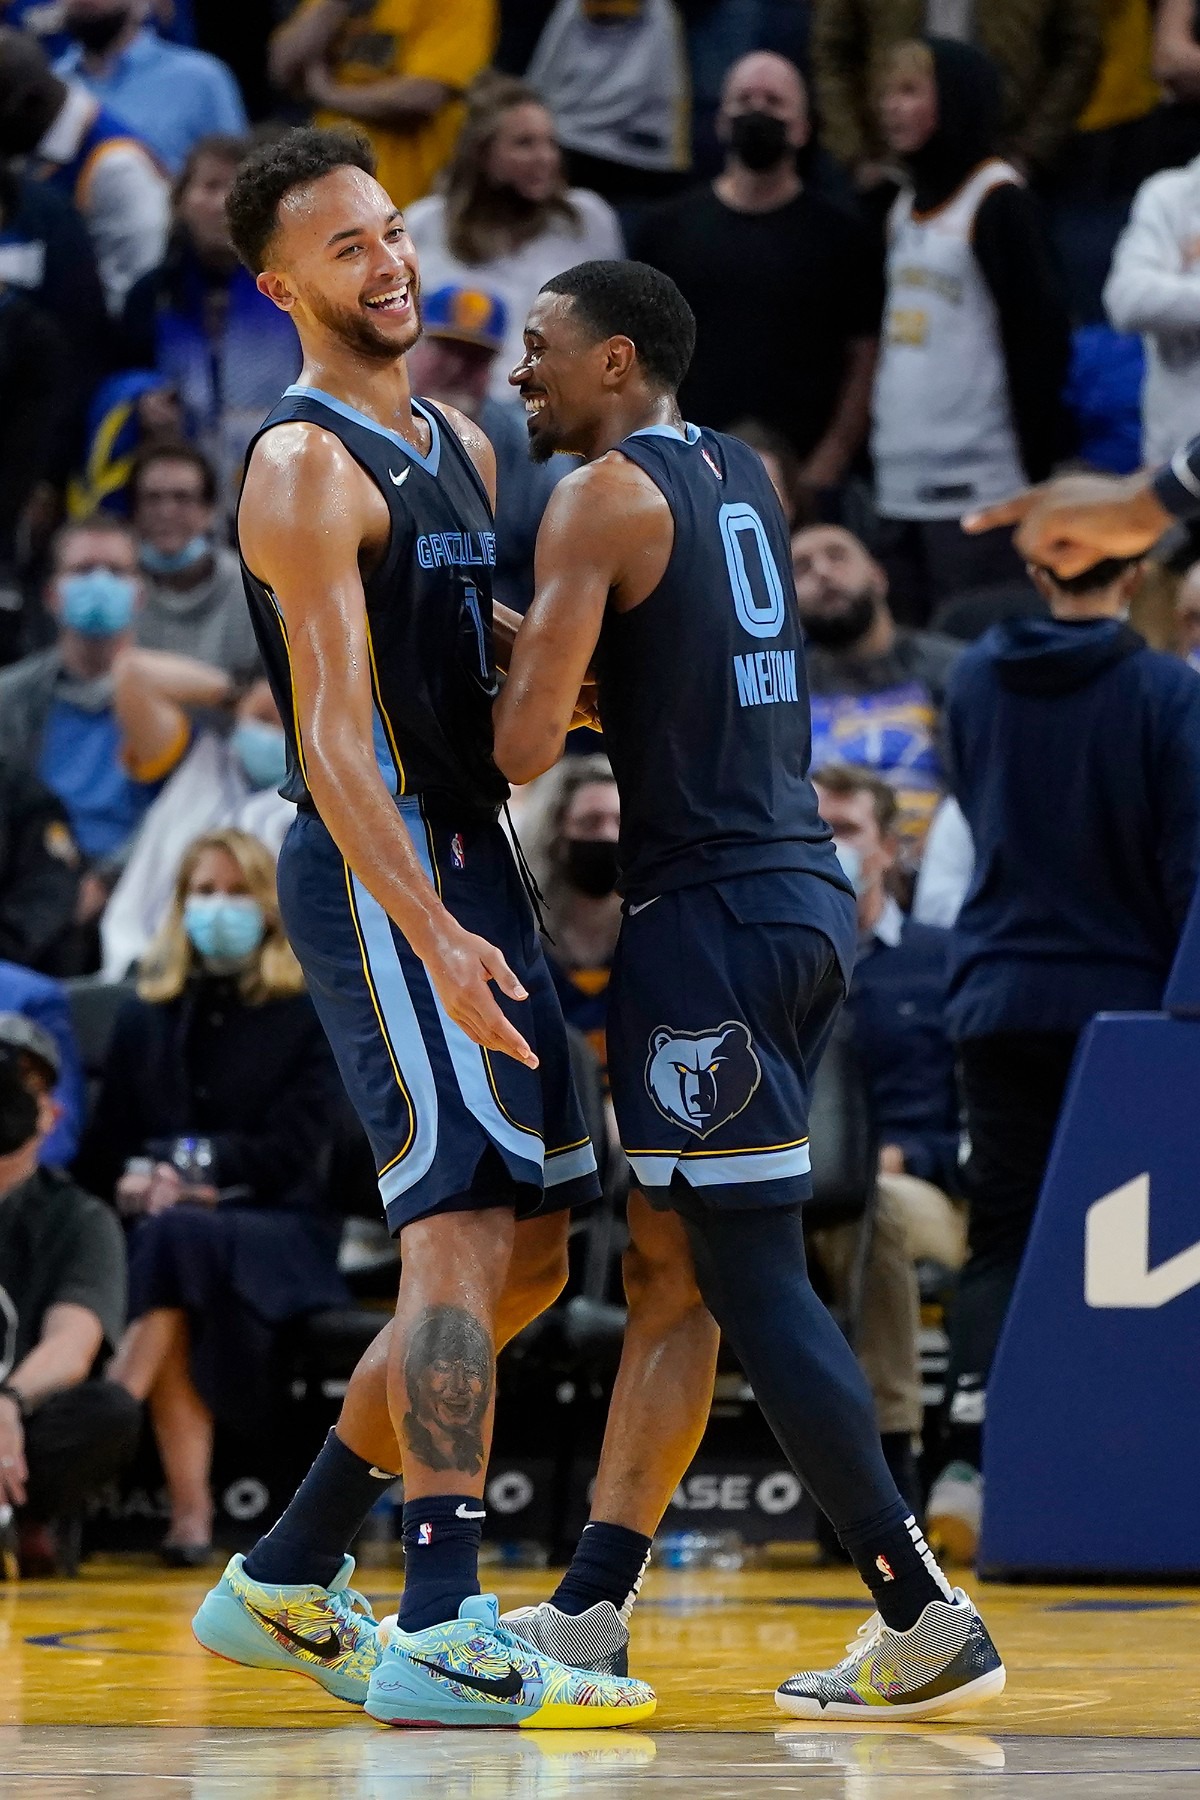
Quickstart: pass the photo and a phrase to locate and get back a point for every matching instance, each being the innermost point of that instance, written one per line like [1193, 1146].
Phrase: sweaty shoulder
[611, 490]
[303, 479]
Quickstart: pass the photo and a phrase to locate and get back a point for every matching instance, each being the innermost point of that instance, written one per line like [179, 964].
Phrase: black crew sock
[441, 1536]
[608, 1564]
[309, 1543]
[890, 1553]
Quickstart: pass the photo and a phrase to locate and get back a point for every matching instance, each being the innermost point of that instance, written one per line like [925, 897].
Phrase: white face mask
[852, 866]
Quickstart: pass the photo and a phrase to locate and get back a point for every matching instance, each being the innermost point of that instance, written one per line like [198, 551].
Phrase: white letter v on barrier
[1117, 1268]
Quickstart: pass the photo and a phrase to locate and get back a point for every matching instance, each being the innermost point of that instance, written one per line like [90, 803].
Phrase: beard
[840, 630]
[358, 332]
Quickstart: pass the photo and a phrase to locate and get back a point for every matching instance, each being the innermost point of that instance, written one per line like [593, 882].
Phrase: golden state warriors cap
[471, 315]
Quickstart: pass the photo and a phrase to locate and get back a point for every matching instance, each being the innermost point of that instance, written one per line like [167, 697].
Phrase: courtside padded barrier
[1091, 1449]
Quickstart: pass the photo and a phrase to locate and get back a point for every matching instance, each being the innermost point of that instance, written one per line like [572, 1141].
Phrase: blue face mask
[97, 603]
[224, 927]
[173, 562]
[262, 751]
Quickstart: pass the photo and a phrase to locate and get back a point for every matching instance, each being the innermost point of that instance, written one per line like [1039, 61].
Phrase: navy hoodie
[1074, 753]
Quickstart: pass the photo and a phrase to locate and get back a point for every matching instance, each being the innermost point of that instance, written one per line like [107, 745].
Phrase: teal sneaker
[328, 1634]
[474, 1671]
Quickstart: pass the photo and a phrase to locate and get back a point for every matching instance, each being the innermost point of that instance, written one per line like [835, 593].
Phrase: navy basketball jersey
[428, 611]
[702, 687]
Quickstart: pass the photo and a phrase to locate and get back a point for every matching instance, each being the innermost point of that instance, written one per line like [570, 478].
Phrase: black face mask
[97, 31]
[759, 141]
[837, 631]
[590, 864]
[18, 1108]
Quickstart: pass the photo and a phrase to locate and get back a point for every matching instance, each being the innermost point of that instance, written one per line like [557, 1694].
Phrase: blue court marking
[1119, 1606]
[58, 1640]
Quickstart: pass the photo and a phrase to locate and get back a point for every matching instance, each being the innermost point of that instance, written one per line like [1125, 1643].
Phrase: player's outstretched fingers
[493, 1031]
[1005, 512]
[499, 972]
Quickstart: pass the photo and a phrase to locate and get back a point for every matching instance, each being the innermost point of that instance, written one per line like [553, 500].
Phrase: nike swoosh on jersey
[643, 904]
[503, 1687]
[326, 1648]
[400, 479]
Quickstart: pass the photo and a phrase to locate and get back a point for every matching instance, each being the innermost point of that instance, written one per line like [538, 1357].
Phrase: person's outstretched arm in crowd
[1147, 290]
[1013, 250]
[154, 694]
[1068, 524]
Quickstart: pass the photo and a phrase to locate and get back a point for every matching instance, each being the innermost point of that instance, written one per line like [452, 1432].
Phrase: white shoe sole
[972, 1693]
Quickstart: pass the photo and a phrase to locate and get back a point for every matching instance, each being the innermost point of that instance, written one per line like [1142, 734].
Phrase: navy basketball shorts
[453, 1127]
[721, 1001]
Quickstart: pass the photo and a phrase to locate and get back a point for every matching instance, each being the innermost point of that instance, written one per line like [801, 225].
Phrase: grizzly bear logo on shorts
[701, 1080]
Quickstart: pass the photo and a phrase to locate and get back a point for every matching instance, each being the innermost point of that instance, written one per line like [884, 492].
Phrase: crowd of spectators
[935, 249]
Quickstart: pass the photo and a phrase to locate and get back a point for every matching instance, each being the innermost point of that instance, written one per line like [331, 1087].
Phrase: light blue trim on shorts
[655, 1169]
[569, 1165]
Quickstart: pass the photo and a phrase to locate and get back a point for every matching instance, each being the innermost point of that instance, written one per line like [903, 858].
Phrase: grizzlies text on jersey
[451, 1126]
[429, 612]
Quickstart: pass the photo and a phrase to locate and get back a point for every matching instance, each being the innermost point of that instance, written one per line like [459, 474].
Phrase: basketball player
[665, 558]
[365, 528]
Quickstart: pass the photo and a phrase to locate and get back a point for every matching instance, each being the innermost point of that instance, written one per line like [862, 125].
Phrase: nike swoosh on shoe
[327, 1648]
[502, 1687]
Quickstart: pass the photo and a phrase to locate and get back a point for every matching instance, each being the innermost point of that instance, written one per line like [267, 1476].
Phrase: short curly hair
[633, 300]
[276, 167]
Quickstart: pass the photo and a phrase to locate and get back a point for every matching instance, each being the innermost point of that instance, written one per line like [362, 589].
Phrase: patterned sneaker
[946, 1660]
[597, 1640]
[474, 1671]
[326, 1633]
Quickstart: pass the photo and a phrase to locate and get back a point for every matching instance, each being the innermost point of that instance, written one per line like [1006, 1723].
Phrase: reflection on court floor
[1099, 1690]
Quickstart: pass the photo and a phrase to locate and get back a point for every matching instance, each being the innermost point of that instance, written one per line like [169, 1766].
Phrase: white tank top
[942, 434]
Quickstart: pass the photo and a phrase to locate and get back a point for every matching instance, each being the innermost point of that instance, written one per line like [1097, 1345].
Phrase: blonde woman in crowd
[506, 219]
[209, 1132]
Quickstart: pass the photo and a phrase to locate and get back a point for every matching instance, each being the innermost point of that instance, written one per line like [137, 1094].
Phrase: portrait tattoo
[448, 1375]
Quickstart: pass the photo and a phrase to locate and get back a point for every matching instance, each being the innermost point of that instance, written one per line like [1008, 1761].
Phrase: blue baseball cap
[471, 315]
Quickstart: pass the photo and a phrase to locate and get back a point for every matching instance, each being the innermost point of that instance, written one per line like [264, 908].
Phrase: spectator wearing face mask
[170, 94]
[806, 315]
[579, 873]
[63, 1433]
[198, 320]
[506, 221]
[463, 330]
[192, 596]
[228, 778]
[91, 155]
[218, 1164]
[877, 687]
[76, 714]
[43, 1003]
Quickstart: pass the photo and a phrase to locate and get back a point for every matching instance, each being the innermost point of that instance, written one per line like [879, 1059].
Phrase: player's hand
[461, 967]
[1069, 524]
[13, 1471]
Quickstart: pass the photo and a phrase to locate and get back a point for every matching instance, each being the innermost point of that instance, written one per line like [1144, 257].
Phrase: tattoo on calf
[448, 1372]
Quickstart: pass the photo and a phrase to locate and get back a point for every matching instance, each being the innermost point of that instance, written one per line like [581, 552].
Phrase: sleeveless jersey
[942, 431]
[428, 614]
[702, 687]
[106, 132]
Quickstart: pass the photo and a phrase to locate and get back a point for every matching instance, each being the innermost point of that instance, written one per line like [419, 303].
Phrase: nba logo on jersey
[457, 854]
[424, 1534]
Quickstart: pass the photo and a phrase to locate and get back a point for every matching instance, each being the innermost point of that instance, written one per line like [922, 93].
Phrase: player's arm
[306, 513]
[603, 528]
[1073, 521]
